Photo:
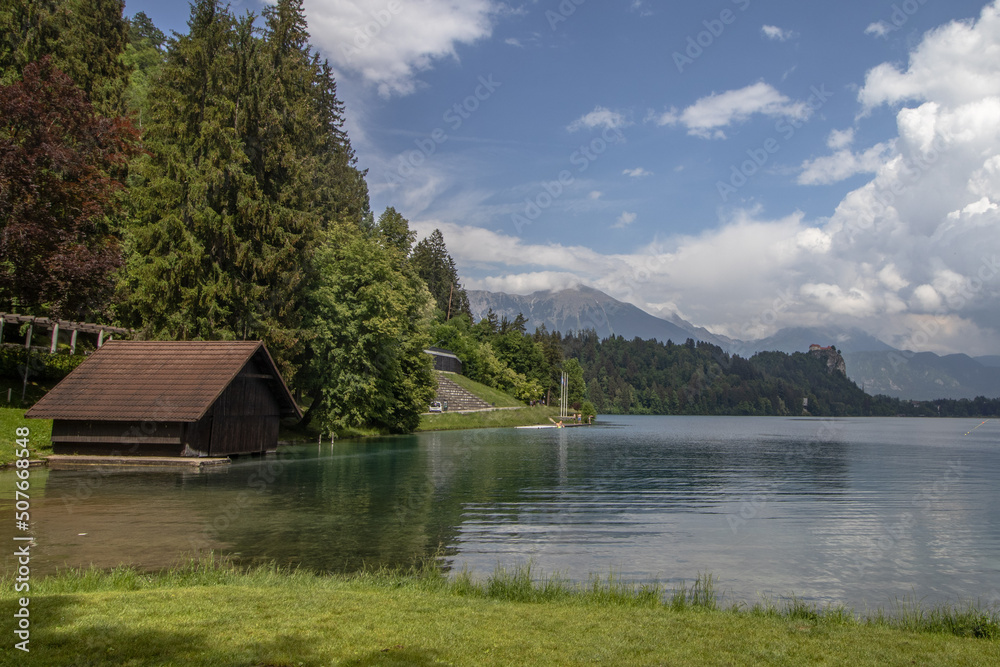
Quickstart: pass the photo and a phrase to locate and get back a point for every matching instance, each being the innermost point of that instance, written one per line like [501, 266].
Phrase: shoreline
[514, 616]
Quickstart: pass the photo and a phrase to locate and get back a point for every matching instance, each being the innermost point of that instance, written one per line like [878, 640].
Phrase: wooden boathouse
[169, 398]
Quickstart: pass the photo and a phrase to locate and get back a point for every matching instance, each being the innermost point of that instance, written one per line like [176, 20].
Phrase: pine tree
[436, 267]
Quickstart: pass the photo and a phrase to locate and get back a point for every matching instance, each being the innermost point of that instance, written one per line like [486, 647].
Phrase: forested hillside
[649, 377]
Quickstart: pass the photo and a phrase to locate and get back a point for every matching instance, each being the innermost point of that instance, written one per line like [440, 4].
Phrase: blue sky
[741, 164]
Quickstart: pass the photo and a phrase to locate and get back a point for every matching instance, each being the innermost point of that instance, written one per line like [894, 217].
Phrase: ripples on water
[853, 511]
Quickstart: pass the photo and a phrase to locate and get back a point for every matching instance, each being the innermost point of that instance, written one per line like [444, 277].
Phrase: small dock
[78, 462]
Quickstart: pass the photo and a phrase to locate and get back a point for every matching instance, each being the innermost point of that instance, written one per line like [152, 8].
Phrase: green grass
[451, 421]
[40, 436]
[488, 394]
[211, 614]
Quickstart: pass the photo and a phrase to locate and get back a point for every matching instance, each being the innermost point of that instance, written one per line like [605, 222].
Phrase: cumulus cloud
[389, 44]
[842, 165]
[912, 255]
[956, 62]
[638, 172]
[599, 117]
[708, 116]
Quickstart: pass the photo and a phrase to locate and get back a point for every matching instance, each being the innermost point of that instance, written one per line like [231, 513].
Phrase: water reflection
[851, 511]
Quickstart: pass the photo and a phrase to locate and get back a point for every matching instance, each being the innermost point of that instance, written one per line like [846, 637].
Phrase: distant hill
[923, 376]
[798, 339]
[992, 360]
[872, 364]
[584, 308]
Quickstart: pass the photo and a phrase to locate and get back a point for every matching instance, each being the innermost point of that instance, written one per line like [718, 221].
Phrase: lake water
[853, 511]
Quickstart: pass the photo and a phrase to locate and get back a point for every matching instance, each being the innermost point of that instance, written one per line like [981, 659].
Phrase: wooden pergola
[55, 327]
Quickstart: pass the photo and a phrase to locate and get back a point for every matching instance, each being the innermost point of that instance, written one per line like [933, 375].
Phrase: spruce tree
[436, 267]
[84, 38]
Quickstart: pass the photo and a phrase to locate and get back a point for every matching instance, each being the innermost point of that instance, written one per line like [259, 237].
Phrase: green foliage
[143, 57]
[509, 361]
[648, 377]
[576, 389]
[247, 165]
[59, 182]
[83, 38]
[368, 320]
[39, 437]
[436, 268]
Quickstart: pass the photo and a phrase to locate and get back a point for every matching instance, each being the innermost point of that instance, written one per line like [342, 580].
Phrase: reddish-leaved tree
[61, 170]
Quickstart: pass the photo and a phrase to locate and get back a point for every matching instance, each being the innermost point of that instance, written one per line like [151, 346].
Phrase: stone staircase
[456, 397]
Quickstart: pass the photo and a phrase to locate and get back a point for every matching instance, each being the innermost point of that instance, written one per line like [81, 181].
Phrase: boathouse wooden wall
[245, 417]
[112, 438]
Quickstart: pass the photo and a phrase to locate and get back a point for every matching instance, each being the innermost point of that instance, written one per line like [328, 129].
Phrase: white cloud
[912, 255]
[638, 172]
[777, 34]
[599, 117]
[842, 165]
[707, 116]
[513, 41]
[595, 194]
[879, 29]
[526, 283]
[624, 220]
[956, 63]
[840, 139]
[389, 48]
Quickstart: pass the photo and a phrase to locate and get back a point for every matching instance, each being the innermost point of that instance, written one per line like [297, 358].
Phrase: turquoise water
[852, 511]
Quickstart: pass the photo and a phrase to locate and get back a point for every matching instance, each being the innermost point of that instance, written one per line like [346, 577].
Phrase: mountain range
[874, 365]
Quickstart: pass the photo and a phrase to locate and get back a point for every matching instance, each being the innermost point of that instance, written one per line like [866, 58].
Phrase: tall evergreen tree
[84, 38]
[143, 57]
[436, 267]
[232, 200]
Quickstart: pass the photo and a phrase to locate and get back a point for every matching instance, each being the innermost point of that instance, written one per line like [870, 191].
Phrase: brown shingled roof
[159, 381]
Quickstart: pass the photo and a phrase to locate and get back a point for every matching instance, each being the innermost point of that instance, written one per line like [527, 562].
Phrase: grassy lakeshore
[452, 421]
[205, 614]
[40, 437]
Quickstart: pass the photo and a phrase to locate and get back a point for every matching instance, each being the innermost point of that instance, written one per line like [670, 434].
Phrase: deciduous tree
[60, 176]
